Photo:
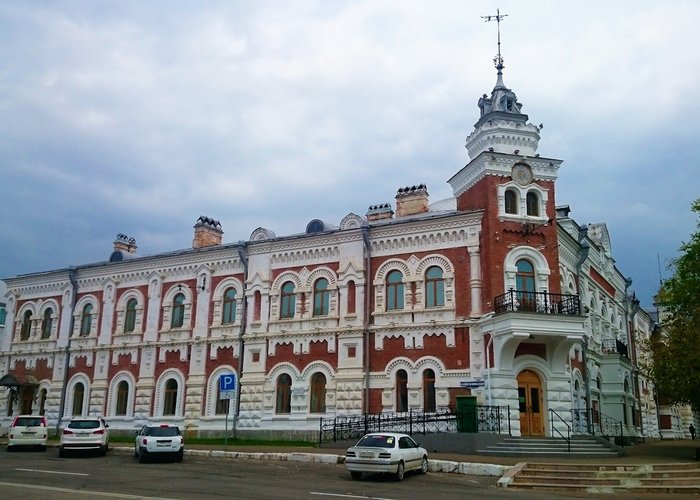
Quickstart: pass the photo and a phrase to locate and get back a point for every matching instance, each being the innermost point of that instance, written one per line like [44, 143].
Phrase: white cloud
[138, 117]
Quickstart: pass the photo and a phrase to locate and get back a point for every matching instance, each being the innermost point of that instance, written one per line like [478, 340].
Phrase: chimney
[411, 200]
[124, 243]
[207, 233]
[379, 212]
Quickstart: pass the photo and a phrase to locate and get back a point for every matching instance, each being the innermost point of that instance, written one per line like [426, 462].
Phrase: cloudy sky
[138, 117]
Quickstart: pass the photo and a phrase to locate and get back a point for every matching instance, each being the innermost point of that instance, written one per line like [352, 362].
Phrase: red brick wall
[123, 364]
[433, 345]
[375, 401]
[498, 238]
[81, 366]
[605, 284]
[534, 349]
[318, 351]
[224, 357]
[460, 261]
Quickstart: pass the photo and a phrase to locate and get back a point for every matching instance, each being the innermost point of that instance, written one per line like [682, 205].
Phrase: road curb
[444, 466]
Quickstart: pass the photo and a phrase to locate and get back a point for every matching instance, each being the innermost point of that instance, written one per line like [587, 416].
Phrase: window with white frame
[170, 391]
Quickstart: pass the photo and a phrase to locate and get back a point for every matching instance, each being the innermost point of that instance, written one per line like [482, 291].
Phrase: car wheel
[61, 452]
[136, 453]
[142, 457]
[424, 465]
[356, 475]
[178, 457]
[400, 471]
[10, 448]
[42, 447]
[103, 450]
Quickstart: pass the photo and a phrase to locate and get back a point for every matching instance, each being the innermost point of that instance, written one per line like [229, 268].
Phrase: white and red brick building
[386, 312]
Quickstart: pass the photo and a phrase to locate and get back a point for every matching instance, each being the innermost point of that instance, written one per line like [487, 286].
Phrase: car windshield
[84, 424]
[161, 431]
[29, 421]
[377, 441]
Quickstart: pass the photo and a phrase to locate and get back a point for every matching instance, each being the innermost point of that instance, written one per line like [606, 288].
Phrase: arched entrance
[530, 404]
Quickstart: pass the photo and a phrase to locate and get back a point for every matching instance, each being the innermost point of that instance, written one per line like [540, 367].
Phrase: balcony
[557, 304]
[614, 346]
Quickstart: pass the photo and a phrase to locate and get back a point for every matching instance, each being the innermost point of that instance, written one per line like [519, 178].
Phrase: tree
[676, 346]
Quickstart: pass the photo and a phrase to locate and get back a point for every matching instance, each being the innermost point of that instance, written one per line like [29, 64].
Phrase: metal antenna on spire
[498, 60]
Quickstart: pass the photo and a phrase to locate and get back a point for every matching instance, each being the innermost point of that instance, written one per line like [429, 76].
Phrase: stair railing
[567, 438]
[598, 423]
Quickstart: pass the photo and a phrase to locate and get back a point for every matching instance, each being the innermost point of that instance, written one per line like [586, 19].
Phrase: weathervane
[498, 60]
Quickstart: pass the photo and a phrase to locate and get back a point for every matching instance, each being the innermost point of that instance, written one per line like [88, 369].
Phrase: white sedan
[387, 452]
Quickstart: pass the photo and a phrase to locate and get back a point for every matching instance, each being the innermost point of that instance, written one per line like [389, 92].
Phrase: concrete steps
[581, 447]
[638, 479]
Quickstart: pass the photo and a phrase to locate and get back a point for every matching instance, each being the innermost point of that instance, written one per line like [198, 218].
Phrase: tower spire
[498, 60]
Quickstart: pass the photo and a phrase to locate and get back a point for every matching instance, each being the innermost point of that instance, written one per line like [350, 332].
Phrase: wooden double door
[530, 404]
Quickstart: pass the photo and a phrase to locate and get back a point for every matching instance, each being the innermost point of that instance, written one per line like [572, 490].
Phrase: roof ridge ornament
[498, 60]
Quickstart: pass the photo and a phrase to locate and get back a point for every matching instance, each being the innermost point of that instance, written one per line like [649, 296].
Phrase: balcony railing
[614, 346]
[538, 302]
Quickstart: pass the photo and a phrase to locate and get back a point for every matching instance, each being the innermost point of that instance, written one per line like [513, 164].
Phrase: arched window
[511, 200]
[428, 390]
[284, 394]
[533, 204]
[401, 391]
[170, 397]
[86, 321]
[42, 401]
[434, 287]
[351, 297]
[178, 317]
[318, 393]
[288, 298]
[257, 304]
[525, 276]
[78, 396]
[26, 326]
[130, 316]
[394, 291]
[122, 398]
[321, 297]
[229, 307]
[47, 324]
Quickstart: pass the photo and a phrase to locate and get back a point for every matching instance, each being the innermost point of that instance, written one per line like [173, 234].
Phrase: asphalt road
[45, 476]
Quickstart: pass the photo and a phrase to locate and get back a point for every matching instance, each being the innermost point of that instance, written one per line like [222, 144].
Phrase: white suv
[85, 434]
[27, 430]
[158, 440]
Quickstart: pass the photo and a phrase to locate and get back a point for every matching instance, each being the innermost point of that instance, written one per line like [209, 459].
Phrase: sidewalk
[652, 452]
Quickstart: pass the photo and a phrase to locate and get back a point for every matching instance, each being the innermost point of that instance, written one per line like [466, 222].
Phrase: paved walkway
[651, 452]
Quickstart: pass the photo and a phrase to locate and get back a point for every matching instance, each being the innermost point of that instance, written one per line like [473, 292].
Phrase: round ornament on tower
[522, 174]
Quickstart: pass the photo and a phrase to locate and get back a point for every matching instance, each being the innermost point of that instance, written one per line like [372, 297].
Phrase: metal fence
[596, 423]
[538, 302]
[493, 419]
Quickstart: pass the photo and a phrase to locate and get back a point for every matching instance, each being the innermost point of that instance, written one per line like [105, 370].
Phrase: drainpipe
[243, 256]
[585, 248]
[487, 352]
[365, 316]
[633, 358]
[66, 363]
[626, 306]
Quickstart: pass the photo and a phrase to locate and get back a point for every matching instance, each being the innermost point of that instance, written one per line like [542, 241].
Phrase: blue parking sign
[227, 382]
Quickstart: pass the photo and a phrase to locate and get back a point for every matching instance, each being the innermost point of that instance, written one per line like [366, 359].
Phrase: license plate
[366, 454]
